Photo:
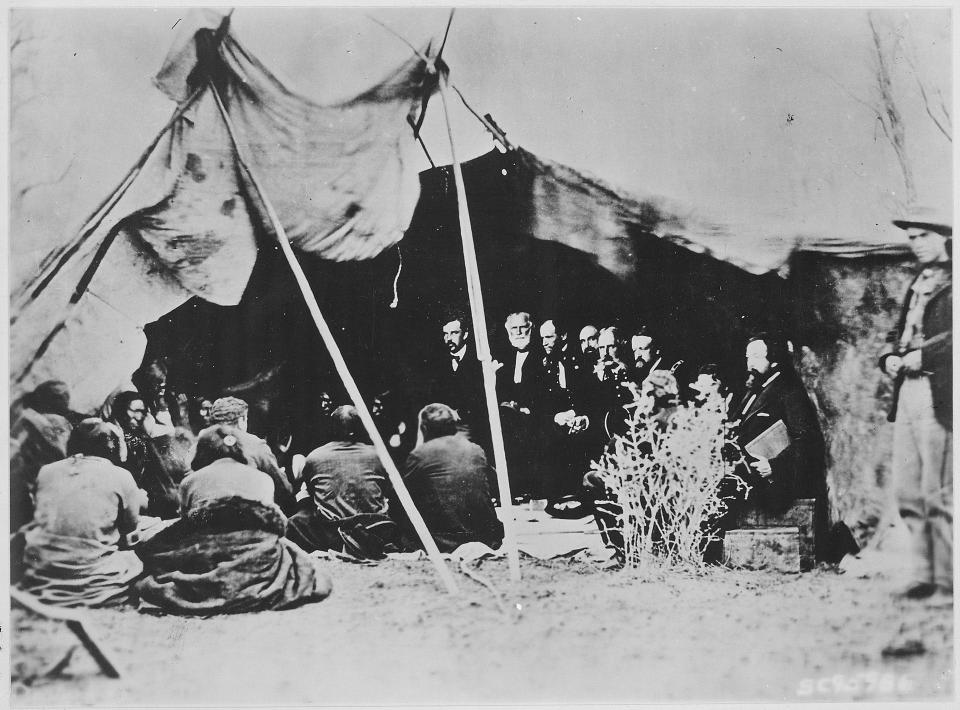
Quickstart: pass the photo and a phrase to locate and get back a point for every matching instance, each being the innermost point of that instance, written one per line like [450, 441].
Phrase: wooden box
[763, 549]
[799, 516]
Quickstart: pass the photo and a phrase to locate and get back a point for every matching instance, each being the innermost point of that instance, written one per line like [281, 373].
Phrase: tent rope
[396, 296]
[487, 122]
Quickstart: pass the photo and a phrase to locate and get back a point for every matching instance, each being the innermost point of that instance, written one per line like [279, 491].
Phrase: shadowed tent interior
[549, 240]
[699, 308]
[835, 306]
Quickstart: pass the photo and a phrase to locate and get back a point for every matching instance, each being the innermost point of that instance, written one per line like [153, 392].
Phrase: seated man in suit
[566, 415]
[617, 387]
[775, 394]
[447, 476]
[520, 389]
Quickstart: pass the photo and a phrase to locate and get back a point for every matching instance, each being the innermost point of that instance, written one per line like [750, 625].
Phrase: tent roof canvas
[222, 205]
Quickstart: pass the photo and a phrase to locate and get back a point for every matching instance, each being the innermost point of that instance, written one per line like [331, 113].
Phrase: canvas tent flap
[202, 231]
[585, 213]
[341, 176]
[97, 343]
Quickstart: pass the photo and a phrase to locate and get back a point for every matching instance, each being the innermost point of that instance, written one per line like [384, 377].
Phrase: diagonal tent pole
[402, 494]
[483, 349]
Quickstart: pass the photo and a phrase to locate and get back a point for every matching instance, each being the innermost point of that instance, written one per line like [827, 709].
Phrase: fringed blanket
[73, 571]
[226, 557]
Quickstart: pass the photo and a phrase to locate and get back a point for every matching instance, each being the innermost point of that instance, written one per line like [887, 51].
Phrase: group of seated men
[561, 403]
[223, 495]
[227, 533]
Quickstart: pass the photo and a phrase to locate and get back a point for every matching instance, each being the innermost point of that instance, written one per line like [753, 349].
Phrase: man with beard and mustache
[461, 384]
[520, 389]
[566, 419]
[776, 408]
[616, 384]
[588, 343]
[645, 353]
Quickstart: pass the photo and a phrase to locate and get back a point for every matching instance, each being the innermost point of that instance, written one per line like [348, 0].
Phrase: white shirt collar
[457, 357]
[518, 366]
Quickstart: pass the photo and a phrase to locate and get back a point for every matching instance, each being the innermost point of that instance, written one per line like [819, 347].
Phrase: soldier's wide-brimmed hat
[926, 218]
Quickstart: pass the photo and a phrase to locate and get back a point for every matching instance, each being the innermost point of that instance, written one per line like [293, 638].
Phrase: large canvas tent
[549, 239]
[542, 232]
[186, 221]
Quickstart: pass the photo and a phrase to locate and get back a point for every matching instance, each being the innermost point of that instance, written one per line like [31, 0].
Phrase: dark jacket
[463, 389]
[447, 480]
[530, 392]
[260, 456]
[937, 352]
[800, 469]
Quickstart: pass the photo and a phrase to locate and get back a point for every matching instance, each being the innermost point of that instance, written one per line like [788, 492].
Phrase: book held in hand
[769, 443]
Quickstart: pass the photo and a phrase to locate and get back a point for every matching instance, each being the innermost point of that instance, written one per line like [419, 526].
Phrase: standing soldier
[919, 358]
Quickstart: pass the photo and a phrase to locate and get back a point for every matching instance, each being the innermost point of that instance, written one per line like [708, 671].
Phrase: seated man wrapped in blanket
[227, 552]
[84, 505]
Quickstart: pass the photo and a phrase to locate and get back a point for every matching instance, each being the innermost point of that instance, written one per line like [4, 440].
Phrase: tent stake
[403, 495]
[483, 349]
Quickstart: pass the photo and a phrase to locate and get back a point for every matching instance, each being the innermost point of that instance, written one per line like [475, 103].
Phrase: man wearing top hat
[919, 359]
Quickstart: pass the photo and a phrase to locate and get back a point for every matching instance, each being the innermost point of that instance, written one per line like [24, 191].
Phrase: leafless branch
[908, 55]
[926, 105]
[890, 114]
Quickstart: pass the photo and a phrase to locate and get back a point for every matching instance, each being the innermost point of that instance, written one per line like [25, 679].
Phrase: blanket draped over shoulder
[228, 556]
[73, 571]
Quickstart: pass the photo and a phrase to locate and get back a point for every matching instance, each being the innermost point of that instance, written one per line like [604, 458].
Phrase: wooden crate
[799, 516]
[775, 548]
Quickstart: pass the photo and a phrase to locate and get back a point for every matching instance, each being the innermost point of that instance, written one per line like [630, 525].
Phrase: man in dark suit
[616, 384]
[775, 394]
[447, 476]
[919, 358]
[566, 415]
[461, 384]
[521, 391]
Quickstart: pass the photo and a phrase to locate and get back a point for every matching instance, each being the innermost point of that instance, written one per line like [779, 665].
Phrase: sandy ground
[569, 632]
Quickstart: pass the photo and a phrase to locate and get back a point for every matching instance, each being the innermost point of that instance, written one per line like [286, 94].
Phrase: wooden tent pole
[483, 349]
[403, 495]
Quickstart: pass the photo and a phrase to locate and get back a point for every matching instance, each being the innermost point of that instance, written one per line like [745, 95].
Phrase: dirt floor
[569, 632]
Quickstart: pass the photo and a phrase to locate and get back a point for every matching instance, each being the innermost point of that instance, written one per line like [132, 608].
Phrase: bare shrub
[665, 475]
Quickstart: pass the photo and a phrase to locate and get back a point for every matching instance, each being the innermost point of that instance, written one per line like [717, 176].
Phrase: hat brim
[941, 229]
